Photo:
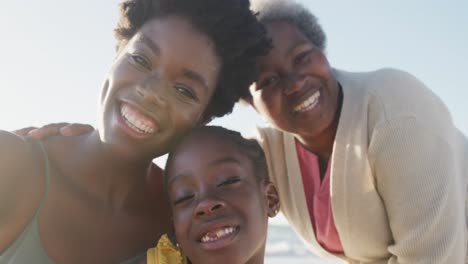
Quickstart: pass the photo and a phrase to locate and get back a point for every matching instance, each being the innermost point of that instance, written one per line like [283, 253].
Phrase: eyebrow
[148, 42]
[190, 74]
[224, 160]
[175, 178]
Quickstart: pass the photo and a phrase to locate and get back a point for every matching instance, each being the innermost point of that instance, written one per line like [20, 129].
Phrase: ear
[247, 99]
[272, 199]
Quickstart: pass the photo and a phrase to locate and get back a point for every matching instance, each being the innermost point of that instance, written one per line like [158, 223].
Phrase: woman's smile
[136, 123]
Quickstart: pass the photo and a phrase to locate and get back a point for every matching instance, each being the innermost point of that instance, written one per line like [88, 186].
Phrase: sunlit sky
[54, 54]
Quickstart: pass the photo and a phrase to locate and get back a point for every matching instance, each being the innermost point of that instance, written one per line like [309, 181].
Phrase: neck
[322, 144]
[106, 176]
[259, 256]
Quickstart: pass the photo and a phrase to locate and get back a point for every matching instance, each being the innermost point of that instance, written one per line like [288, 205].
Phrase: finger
[76, 129]
[46, 131]
[23, 131]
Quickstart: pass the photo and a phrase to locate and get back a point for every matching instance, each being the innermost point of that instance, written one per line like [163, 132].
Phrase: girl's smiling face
[220, 208]
[158, 88]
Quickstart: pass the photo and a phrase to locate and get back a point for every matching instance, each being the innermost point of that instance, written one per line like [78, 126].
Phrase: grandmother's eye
[302, 57]
[268, 81]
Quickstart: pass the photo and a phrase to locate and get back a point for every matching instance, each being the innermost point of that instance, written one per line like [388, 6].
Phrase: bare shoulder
[15, 157]
[21, 185]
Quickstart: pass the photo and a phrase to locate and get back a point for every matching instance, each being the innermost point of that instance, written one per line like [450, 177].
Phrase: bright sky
[54, 54]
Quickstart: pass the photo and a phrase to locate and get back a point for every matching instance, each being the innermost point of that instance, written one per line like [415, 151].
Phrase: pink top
[318, 200]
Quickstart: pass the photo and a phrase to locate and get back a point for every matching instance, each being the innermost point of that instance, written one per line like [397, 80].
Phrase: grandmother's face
[296, 90]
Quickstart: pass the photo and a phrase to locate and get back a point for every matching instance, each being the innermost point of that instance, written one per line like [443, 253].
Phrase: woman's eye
[183, 199]
[185, 91]
[142, 61]
[229, 181]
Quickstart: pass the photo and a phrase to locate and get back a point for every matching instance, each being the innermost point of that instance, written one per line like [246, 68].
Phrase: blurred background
[55, 54]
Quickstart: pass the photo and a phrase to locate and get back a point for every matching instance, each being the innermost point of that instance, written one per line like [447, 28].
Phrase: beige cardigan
[398, 174]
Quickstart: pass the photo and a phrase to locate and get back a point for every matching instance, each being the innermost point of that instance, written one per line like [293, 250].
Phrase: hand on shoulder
[55, 129]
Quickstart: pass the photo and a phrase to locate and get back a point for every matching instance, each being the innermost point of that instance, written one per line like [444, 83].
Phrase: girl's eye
[142, 61]
[185, 91]
[302, 57]
[230, 181]
[183, 199]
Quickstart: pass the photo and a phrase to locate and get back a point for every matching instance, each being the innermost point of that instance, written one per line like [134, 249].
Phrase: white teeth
[220, 233]
[133, 122]
[308, 104]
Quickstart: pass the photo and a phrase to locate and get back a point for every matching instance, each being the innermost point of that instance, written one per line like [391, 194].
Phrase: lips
[308, 104]
[217, 234]
[137, 121]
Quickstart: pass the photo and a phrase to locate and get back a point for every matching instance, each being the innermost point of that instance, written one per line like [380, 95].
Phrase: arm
[21, 186]
[418, 175]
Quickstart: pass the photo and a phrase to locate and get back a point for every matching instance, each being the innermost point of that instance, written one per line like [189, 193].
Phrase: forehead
[285, 37]
[282, 31]
[180, 43]
[204, 153]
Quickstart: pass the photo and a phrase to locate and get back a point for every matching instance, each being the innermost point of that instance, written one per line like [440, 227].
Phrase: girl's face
[296, 90]
[158, 87]
[220, 210]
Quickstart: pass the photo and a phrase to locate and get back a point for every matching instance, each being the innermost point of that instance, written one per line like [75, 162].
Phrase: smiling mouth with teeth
[217, 234]
[307, 104]
[136, 121]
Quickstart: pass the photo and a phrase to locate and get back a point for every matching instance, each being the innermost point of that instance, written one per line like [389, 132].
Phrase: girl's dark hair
[237, 36]
[249, 147]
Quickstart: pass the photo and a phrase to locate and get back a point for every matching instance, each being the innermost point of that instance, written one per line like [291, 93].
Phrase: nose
[293, 83]
[209, 206]
[152, 91]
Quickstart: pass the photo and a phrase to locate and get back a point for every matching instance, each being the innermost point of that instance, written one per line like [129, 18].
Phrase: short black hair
[237, 35]
[249, 147]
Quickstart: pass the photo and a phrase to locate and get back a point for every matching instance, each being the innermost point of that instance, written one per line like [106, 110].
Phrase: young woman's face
[220, 211]
[296, 90]
[158, 87]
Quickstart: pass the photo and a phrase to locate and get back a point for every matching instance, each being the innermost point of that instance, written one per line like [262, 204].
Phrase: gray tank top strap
[27, 247]
[46, 171]
[38, 146]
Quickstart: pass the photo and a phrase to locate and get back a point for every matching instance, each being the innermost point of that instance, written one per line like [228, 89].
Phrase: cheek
[183, 123]
[269, 104]
[121, 75]
[321, 67]
[187, 116]
[104, 91]
[182, 221]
